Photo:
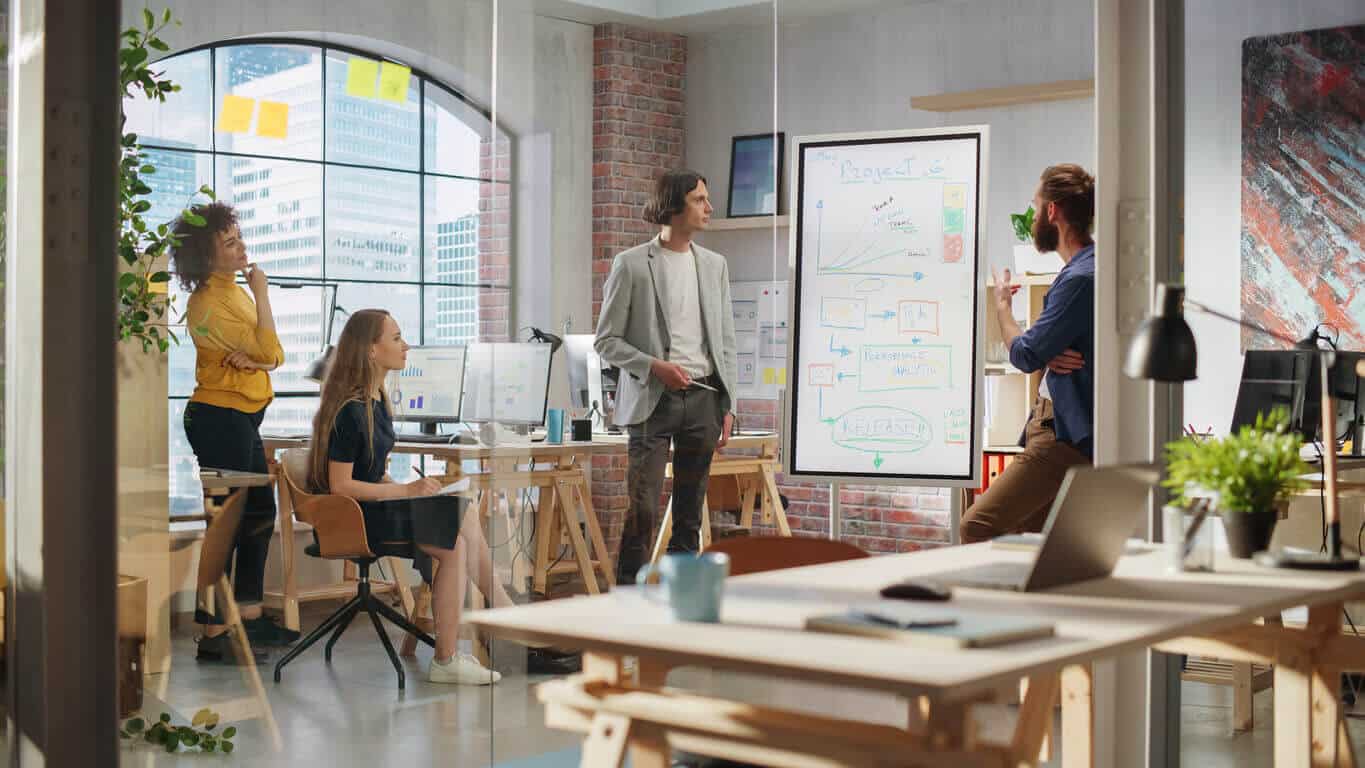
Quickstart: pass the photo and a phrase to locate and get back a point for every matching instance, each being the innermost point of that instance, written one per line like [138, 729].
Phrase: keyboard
[430, 439]
[1007, 576]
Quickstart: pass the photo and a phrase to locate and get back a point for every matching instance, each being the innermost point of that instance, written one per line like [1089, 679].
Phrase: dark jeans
[223, 438]
[689, 420]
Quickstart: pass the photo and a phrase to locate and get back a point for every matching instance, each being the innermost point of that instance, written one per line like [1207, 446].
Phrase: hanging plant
[142, 288]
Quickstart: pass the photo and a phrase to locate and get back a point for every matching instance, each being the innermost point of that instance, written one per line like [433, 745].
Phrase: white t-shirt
[682, 303]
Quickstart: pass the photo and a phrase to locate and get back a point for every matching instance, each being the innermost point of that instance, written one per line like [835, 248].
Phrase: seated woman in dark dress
[352, 437]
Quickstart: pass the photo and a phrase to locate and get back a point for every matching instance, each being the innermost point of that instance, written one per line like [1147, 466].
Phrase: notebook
[944, 630]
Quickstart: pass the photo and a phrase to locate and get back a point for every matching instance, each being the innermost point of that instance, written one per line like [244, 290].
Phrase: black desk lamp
[317, 370]
[1164, 350]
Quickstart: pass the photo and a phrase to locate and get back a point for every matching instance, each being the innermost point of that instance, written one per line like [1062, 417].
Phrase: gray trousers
[690, 421]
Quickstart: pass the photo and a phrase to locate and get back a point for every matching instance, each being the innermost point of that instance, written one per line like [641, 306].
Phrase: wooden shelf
[1028, 280]
[985, 98]
[747, 222]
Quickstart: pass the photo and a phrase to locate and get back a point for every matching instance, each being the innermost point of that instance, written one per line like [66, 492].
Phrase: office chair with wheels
[339, 534]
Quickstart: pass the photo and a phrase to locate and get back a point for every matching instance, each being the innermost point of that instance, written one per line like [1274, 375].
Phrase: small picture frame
[755, 174]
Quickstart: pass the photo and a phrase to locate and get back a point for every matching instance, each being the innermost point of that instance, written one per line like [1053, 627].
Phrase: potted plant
[1027, 259]
[1247, 475]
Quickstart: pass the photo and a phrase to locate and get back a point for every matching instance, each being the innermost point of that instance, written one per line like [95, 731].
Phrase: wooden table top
[1142, 604]
[604, 443]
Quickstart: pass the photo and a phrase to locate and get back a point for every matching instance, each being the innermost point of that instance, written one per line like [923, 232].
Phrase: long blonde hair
[351, 376]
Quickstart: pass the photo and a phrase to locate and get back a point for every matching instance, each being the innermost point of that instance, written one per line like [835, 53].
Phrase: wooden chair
[215, 591]
[755, 554]
[339, 534]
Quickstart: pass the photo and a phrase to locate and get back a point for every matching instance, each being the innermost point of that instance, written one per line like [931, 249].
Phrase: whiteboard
[886, 306]
[760, 315]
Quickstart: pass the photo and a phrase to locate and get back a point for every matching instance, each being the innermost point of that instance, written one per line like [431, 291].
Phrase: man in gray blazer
[666, 323]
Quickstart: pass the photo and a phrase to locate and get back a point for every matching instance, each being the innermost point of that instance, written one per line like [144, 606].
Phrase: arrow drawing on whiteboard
[877, 461]
[843, 376]
[843, 351]
[918, 276]
[916, 340]
[887, 315]
[823, 420]
[819, 222]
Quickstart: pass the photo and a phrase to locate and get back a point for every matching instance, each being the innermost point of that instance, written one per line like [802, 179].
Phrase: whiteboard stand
[836, 517]
[957, 498]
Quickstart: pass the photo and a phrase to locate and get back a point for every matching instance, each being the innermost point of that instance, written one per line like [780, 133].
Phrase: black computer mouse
[917, 590]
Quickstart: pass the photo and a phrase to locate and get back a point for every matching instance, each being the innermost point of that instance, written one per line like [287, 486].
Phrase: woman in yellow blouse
[235, 349]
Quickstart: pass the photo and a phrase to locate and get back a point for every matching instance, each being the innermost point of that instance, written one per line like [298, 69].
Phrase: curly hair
[192, 260]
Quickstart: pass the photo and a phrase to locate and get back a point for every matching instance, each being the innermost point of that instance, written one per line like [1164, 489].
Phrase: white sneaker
[464, 669]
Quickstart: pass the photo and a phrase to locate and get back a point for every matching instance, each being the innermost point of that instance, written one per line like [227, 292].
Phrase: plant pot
[1249, 532]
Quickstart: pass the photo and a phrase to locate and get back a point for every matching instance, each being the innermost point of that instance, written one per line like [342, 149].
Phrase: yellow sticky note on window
[393, 82]
[769, 376]
[234, 116]
[273, 122]
[782, 377]
[360, 76]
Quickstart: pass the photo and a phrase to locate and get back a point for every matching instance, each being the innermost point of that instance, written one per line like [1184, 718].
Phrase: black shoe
[508, 659]
[218, 650]
[265, 632]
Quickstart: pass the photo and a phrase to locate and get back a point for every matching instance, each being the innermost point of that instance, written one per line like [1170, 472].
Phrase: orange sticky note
[234, 116]
[273, 122]
[393, 81]
[360, 76]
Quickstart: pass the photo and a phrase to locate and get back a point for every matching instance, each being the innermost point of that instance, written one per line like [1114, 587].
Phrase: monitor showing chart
[506, 383]
[427, 390]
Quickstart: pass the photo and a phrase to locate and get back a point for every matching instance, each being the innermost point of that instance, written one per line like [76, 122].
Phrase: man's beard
[1046, 236]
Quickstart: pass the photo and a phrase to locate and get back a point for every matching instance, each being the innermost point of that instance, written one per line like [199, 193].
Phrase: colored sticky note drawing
[769, 376]
[954, 195]
[781, 377]
[234, 116]
[952, 249]
[273, 122]
[393, 82]
[954, 219]
[360, 76]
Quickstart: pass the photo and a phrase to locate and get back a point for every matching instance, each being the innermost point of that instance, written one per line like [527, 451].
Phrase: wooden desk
[558, 469]
[1142, 606]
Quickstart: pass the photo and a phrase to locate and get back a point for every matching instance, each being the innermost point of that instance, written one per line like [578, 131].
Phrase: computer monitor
[579, 359]
[1344, 384]
[1275, 378]
[505, 382]
[427, 391]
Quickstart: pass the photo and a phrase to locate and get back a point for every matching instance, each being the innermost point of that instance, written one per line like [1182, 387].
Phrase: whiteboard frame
[972, 479]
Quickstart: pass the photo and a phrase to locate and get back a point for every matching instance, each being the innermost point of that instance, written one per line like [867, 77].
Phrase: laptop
[1094, 513]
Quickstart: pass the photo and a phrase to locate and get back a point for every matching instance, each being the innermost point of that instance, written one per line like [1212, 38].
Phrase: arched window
[345, 178]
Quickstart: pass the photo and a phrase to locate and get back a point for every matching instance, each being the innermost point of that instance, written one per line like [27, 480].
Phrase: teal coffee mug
[554, 426]
[691, 584]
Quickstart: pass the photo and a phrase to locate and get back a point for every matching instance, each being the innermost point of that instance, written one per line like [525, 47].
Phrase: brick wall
[638, 97]
[638, 85]
[495, 240]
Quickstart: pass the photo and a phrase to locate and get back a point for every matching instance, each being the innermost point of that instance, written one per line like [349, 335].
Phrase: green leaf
[158, 45]
[160, 277]
[142, 206]
[172, 742]
[194, 219]
[148, 18]
[165, 717]
[227, 747]
[147, 169]
[229, 732]
[136, 725]
[132, 57]
[207, 190]
[166, 17]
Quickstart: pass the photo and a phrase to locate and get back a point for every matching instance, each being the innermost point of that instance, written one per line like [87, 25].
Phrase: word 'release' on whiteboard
[885, 377]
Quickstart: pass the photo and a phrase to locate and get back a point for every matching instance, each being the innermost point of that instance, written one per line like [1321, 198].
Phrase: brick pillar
[495, 240]
[638, 85]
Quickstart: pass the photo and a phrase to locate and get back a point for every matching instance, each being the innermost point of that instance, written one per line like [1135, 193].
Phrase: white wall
[1214, 31]
[857, 72]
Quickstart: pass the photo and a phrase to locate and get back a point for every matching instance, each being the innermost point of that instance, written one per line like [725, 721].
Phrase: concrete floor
[352, 714]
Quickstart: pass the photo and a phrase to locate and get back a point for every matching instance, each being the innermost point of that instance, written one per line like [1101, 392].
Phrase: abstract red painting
[1303, 185]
